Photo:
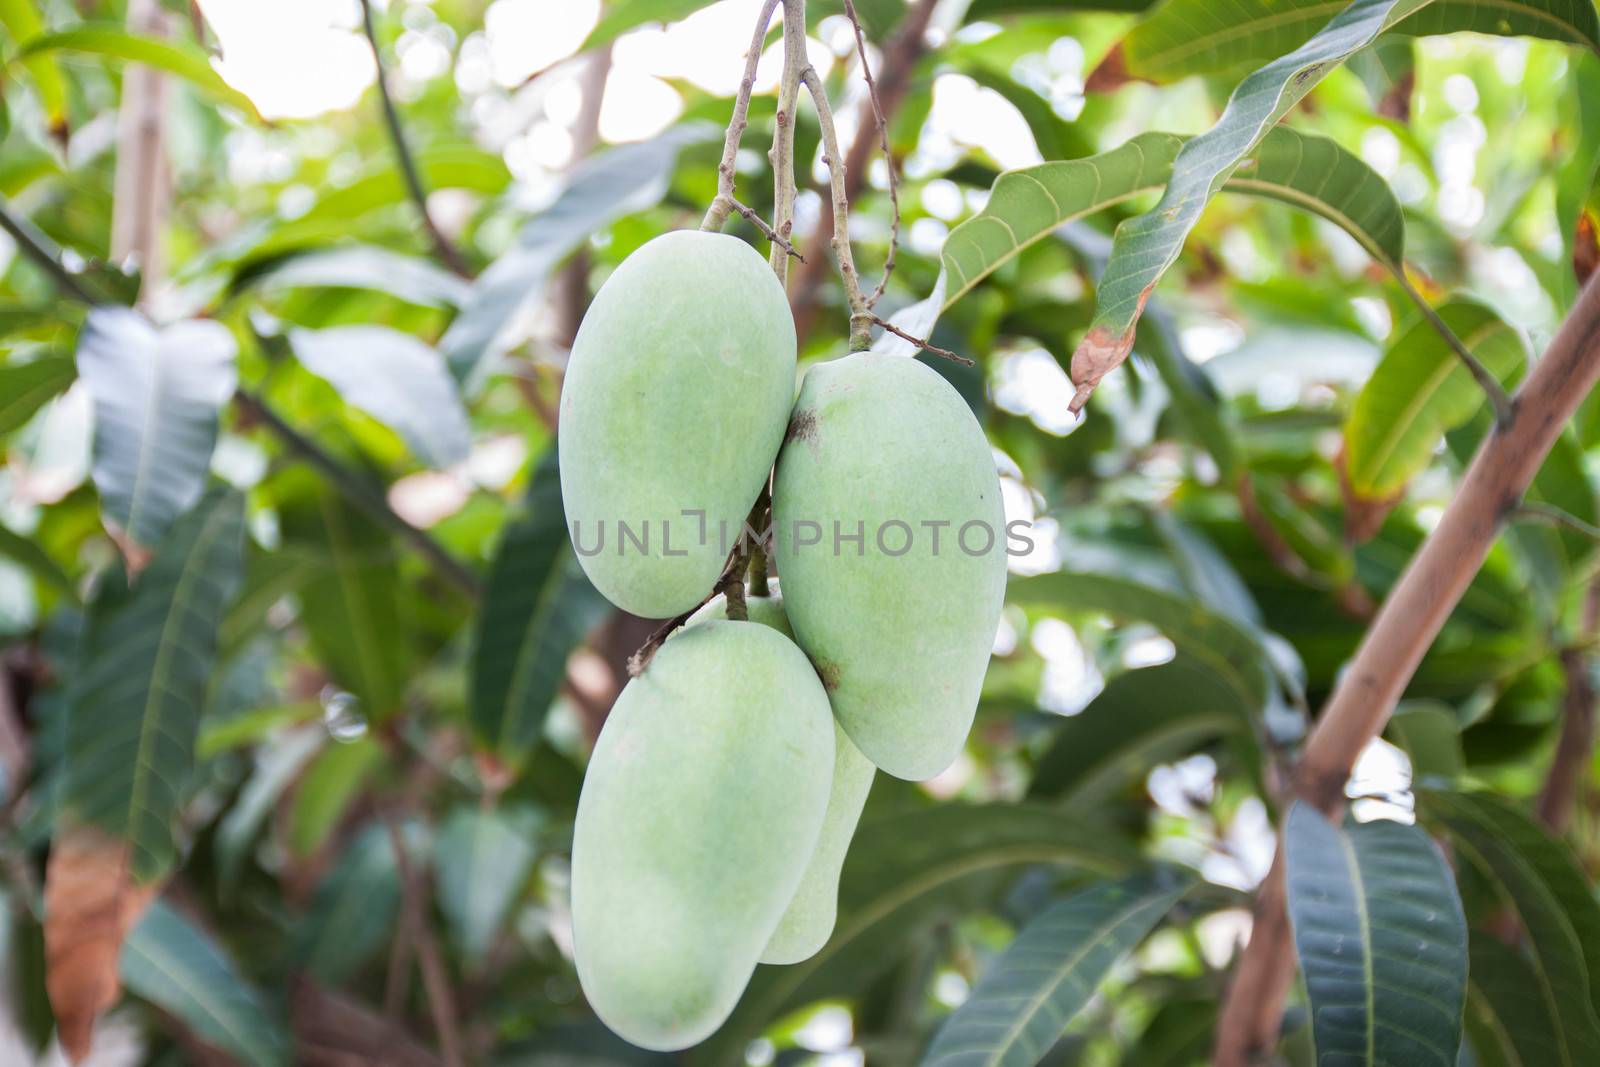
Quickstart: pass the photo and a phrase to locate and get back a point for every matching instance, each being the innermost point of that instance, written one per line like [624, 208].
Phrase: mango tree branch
[861, 317]
[900, 59]
[1405, 627]
[723, 204]
[446, 251]
[782, 153]
[888, 156]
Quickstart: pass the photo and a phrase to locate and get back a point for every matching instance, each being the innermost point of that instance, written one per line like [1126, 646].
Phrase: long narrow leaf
[146, 658]
[1147, 245]
[175, 57]
[1027, 997]
[1382, 941]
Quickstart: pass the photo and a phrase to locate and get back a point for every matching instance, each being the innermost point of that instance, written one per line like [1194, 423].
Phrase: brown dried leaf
[1109, 74]
[1100, 353]
[1396, 103]
[91, 902]
[135, 555]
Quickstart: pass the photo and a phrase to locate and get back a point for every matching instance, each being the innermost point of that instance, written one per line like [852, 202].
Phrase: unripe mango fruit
[673, 407]
[900, 624]
[700, 809]
[808, 922]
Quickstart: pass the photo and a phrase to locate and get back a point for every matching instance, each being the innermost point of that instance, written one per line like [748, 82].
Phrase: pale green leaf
[176, 57]
[482, 863]
[26, 387]
[158, 397]
[1418, 391]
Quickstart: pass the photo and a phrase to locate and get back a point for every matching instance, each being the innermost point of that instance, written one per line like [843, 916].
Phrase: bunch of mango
[726, 785]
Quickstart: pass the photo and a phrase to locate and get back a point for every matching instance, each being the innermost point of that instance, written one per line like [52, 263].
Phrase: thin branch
[861, 317]
[1405, 627]
[414, 915]
[782, 243]
[447, 252]
[781, 154]
[943, 353]
[888, 156]
[39, 248]
[1535, 511]
[354, 489]
[1563, 783]
[1480, 374]
[717, 213]
[900, 58]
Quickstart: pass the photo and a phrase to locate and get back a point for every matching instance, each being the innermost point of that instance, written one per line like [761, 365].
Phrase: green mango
[700, 809]
[808, 923]
[901, 623]
[673, 407]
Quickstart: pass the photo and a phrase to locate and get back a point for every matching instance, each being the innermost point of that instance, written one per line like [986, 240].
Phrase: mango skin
[809, 920]
[902, 641]
[676, 397]
[701, 805]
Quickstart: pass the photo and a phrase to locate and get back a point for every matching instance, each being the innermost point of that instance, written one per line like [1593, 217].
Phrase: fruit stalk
[723, 204]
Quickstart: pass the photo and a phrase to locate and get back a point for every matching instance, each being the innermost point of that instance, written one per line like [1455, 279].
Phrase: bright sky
[301, 58]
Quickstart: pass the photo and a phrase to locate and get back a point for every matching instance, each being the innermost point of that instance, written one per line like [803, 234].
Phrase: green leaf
[1430, 736]
[21, 19]
[173, 56]
[600, 190]
[537, 608]
[1381, 938]
[353, 911]
[904, 873]
[25, 387]
[1141, 717]
[158, 395]
[1536, 878]
[1145, 246]
[1508, 1022]
[1235, 655]
[351, 599]
[395, 378]
[409, 278]
[624, 15]
[482, 863]
[1027, 205]
[277, 765]
[1029, 995]
[36, 560]
[1184, 37]
[175, 965]
[329, 786]
[146, 657]
[1418, 391]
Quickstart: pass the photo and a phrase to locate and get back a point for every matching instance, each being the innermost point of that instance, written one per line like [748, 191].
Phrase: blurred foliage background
[340, 720]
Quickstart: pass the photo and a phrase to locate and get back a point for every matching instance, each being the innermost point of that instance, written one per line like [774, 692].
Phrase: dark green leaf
[905, 872]
[1139, 719]
[146, 657]
[28, 554]
[1381, 939]
[175, 965]
[395, 378]
[24, 387]
[1029, 995]
[157, 396]
[537, 608]
[353, 911]
[1533, 876]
